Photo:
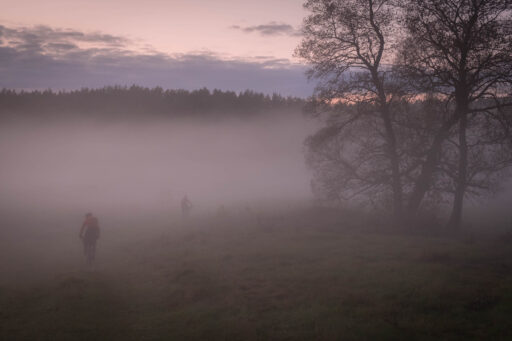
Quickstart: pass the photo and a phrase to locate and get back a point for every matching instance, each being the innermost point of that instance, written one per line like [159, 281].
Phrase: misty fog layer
[95, 166]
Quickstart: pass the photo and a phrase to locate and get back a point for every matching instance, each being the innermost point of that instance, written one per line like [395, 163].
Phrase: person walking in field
[89, 234]
[186, 206]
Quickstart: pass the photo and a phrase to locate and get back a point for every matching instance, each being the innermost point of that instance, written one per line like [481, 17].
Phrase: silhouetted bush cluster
[136, 101]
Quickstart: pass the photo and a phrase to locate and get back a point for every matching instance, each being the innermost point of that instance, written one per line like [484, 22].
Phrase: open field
[304, 275]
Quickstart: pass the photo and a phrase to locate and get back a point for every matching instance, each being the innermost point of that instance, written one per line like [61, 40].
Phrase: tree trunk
[391, 150]
[428, 168]
[460, 185]
[396, 183]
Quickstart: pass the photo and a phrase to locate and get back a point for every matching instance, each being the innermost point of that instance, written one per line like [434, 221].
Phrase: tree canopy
[417, 95]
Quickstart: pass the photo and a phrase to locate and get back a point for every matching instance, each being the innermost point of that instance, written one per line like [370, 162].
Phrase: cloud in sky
[271, 29]
[39, 36]
[43, 57]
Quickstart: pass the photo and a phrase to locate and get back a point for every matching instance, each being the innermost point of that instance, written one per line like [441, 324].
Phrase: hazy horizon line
[134, 85]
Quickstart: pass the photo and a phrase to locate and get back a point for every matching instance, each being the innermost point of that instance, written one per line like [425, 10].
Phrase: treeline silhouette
[137, 101]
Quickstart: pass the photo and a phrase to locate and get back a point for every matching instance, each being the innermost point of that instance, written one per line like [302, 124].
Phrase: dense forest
[136, 101]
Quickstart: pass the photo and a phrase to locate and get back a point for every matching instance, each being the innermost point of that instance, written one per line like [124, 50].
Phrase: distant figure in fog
[90, 233]
[186, 206]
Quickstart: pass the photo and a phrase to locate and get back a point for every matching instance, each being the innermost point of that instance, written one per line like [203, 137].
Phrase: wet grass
[291, 278]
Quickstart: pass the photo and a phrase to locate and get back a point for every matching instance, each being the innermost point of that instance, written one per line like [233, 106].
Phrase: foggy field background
[272, 264]
[98, 166]
[303, 273]
[53, 172]
[336, 171]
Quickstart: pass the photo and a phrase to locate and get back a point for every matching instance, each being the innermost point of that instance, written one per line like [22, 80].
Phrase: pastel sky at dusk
[225, 44]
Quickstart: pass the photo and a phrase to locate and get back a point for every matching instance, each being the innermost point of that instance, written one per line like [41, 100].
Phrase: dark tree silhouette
[459, 50]
[416, 94]
[118, 102]
[348, 42]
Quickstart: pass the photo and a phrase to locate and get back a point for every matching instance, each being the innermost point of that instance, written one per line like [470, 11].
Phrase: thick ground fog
[102, 167]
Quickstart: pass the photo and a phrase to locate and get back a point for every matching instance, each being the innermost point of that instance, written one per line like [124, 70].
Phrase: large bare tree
[349, 44]
[461, 51]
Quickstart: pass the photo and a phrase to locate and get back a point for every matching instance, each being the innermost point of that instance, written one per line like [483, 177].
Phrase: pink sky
[172, 26]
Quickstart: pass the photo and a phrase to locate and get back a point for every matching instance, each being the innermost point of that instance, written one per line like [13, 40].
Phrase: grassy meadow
[309, 274]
